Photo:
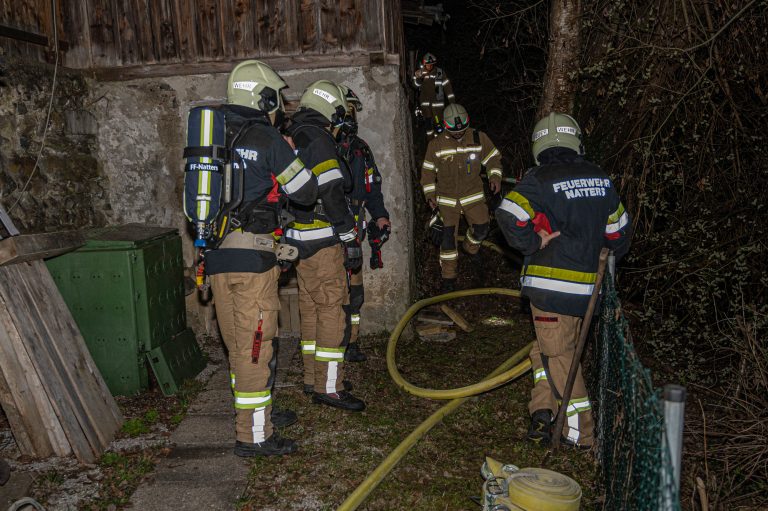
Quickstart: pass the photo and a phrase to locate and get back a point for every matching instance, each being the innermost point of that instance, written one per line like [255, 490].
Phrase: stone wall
[113, 155]
[142, 126]
[68, 189]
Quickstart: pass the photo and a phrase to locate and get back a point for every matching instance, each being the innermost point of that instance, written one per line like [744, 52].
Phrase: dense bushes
[673, 101]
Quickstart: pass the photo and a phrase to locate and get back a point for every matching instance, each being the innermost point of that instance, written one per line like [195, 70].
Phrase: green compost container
[125, 290]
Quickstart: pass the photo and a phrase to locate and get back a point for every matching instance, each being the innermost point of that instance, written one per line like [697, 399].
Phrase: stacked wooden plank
[289, 329]
[437, 324]
[50, 389]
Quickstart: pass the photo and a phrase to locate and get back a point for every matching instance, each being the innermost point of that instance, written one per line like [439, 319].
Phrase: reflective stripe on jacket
[451, 169]
[567, 194]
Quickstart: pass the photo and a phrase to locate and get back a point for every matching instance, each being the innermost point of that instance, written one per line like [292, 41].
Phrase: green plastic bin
[125, 290]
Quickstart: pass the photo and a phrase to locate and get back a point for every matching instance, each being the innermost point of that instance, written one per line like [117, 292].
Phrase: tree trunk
[563, 58]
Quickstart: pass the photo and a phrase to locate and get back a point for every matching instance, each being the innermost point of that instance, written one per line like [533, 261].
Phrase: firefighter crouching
[365, 196]
[243, 269]
[435, 92]
[560, 215]
[450, 179]
[328, 245]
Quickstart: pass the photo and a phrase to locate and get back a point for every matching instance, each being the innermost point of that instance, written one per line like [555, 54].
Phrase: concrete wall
[141, 132]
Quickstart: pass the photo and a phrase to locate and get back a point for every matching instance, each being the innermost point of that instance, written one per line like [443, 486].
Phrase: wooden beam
[30, 247]
[23, 35]
[284, 63]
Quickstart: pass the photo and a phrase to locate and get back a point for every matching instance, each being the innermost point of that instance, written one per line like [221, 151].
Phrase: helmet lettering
[538, 134]
[249, 86]
[330, 98]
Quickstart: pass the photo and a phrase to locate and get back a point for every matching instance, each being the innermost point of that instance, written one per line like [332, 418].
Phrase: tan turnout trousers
[241, 300]
[556, 336]
[322, 295]
[475, 214]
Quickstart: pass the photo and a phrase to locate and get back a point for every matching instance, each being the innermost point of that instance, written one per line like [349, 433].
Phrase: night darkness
[496, 70]
[672, 100]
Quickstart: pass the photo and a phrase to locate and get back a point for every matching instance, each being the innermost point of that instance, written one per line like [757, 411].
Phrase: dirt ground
[442, 472]
[338, 449]
[63, 484]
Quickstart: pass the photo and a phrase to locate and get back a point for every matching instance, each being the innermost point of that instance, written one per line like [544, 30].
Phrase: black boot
[448, 286]
[342, 399]
[540, 431]
[353, 353]
[310, 389]
[283, 418]
[275, 445]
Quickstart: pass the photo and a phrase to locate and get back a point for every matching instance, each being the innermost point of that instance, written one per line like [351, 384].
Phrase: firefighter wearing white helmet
[560, 215]
[328, 245]
[451, 180]
[243, 268]
[364, 197]
[435, 92]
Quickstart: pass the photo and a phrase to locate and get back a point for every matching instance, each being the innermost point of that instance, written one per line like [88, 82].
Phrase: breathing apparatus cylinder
[207, 160]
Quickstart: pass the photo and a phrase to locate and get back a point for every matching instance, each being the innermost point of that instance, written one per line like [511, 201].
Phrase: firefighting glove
[376, 238]
[353, 254]
[436, 225]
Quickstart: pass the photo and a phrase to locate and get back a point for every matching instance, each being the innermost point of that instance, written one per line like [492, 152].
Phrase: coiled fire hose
[512, 368]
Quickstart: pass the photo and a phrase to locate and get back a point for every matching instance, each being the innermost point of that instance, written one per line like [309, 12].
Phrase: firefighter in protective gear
[328, 245]
[243, 269]
[450, 178]
[435, 91]
[560, 215]
[365, 196]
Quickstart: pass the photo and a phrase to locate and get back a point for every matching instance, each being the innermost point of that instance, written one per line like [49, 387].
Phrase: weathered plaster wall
[68, 190]
[142, 126]
[139, 149]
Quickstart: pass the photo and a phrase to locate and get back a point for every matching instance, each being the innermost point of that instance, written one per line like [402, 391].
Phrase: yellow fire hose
[512, 368]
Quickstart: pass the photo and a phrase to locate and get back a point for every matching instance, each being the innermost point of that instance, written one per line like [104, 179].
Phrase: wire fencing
[637, 471]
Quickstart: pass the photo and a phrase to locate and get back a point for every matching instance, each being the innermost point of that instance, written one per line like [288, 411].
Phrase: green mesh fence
[635, 466]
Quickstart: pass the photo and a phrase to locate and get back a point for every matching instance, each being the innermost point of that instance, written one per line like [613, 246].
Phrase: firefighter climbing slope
[328, 245]
[435, 92]
[365, 196]
[450, 179]
[560, 215]
[241, 256]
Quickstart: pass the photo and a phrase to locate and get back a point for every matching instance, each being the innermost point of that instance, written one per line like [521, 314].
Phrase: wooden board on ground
[30, 247]
[61, 385]
[435, 317]
[427, 329]
[457, 318]
[446, 336]
[431, 332]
